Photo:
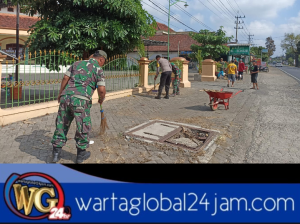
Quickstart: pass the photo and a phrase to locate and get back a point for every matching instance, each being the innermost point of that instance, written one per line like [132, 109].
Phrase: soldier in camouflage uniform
[75, 98]
[176, 82]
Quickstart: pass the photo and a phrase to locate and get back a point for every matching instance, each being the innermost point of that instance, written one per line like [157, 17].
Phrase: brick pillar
[144, 71]
[208, 71]
[185, 83]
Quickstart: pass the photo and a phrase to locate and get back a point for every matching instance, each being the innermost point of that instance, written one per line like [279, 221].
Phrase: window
[10, 9]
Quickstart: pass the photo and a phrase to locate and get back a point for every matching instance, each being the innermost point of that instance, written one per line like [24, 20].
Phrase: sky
[263, 18]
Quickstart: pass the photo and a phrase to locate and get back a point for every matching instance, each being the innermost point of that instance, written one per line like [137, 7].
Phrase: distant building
[8, 20]
[180, 44]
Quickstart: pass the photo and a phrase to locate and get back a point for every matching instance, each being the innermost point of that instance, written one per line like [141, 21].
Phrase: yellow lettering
[23, 200]
[38, 199]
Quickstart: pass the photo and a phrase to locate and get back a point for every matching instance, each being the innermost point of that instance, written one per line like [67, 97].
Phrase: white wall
[4, 10]
[134, 55]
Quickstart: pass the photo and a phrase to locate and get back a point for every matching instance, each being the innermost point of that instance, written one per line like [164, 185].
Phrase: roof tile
[8, 21]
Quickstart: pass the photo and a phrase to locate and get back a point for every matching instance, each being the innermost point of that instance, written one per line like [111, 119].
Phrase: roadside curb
[289, 74]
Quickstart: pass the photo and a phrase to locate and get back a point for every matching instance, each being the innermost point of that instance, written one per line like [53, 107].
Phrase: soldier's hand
[101, 101]
[58, 98]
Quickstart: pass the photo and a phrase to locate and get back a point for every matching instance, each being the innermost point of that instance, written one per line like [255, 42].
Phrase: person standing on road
[231, 72]
[236, 62]
[177, 71]
[241, 69]
[165, 79]
[254, 75]
[75, 98]
[221, 73]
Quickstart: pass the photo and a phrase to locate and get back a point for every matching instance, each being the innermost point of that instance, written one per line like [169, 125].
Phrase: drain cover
[174, 134]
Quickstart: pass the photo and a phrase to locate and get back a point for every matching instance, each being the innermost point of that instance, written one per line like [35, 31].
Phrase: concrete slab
[184, 141]
[161, 132]
[156, 130]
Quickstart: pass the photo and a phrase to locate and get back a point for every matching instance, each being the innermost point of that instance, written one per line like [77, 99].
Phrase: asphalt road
[291, 71]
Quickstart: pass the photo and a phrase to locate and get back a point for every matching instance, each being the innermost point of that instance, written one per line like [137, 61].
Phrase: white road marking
[289, 74]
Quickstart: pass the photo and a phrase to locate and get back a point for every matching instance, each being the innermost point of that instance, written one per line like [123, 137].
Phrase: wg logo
[35, 196]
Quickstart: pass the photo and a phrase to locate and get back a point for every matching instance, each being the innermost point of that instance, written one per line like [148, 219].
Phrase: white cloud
[262, 18]
[193, 5]
[261, 28]
[296, 19]
[262, 8]
[198, 17]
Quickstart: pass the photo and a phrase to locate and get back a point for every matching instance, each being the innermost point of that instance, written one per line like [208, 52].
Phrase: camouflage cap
[101, 53]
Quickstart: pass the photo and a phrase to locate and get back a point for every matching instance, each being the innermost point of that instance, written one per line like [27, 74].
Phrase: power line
[250, 38]
[237, 28]
[160, 12]
[232, 6]
[166, 22]
[177, 6]
[172, 16]
[230, 13]
[265, 39]
[239, 7]
[217, 8]
[163, 13]
[221, 8]
[209, 9]
[238, 12]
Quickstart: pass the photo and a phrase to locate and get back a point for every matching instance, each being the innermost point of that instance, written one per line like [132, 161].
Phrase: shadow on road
[37, 144]
[198, 107]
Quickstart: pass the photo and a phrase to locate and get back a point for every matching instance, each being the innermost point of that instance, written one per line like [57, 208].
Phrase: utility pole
[250, 38]
[237, 27]
[175, 2]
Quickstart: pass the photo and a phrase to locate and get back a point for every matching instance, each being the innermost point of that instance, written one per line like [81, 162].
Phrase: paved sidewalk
[261, 126]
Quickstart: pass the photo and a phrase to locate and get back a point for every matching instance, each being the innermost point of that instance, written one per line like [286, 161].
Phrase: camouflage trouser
[176, 84]
[70, 108]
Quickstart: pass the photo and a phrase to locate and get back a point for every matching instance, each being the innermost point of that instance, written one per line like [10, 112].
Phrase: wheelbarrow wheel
[213, 107]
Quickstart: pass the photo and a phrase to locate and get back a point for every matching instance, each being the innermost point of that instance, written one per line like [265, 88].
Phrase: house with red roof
[180, 44]
[8, 20]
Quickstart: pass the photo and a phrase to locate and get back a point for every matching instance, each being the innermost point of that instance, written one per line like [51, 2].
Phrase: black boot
[167, 94]
[56, 154]
[82, 155]
[158, 95]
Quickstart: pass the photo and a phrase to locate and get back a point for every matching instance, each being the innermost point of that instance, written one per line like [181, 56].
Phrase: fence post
[144, 70]
[185, 83]
[208, 71]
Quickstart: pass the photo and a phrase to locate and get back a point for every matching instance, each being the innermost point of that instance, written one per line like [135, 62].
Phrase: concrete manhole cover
[174, 134]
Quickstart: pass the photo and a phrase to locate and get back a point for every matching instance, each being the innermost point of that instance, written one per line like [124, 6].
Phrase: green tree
[141, 50]
[290, 42]
[212, 44]
[197, 57]
[291, 61]
[289, 54]
[78, 26]
[270, 45]
[298, 53]
[257, 51]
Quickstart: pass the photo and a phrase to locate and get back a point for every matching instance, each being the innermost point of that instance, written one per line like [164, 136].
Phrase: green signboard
[239, 50]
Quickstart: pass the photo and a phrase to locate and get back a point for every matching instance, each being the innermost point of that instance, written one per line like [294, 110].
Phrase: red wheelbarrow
[220, 97]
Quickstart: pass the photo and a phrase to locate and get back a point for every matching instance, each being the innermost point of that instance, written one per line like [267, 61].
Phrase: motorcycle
[263, 69]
